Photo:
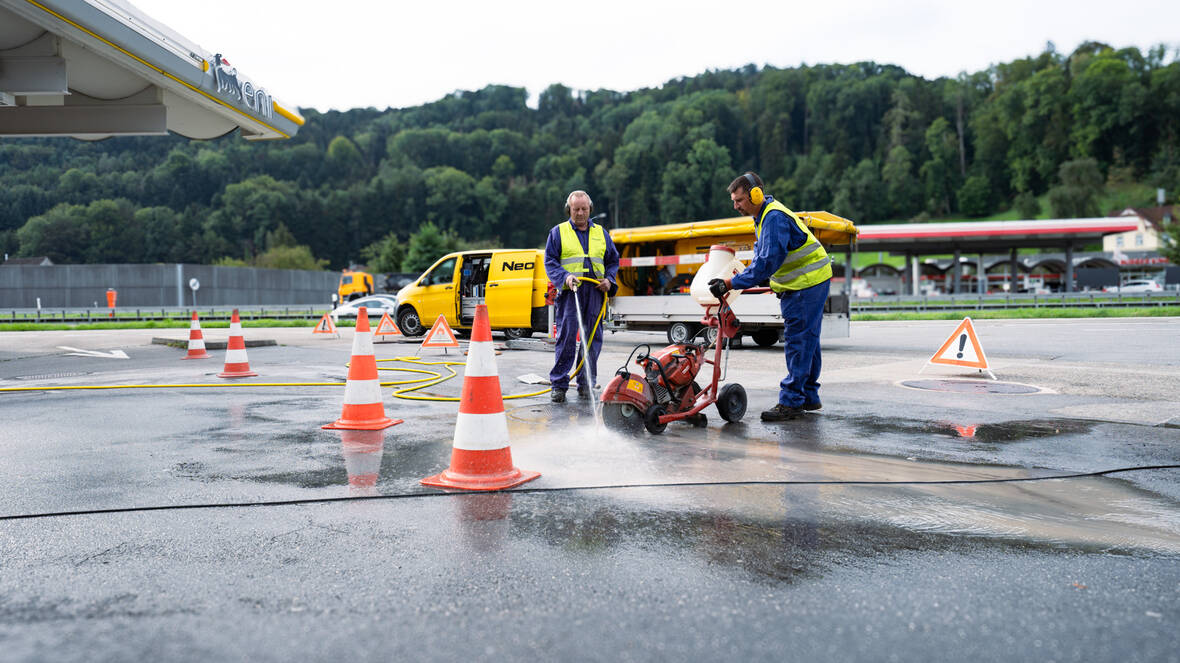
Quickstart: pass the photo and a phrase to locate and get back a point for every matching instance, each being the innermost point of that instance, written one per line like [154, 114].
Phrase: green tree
[62, 234]
[289, 257]
[427, 245]
[940, 173]
[1027, 205]
[975, 196]
[903, 191]
[1077, 195]
[386, 254]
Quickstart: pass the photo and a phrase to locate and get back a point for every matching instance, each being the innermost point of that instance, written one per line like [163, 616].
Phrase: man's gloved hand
[718, 288]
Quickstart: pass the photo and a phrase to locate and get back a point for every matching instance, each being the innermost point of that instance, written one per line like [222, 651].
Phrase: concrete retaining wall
[160, 285]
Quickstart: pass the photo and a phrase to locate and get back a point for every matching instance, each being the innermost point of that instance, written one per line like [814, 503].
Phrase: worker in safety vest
[578, 247]
[800, 272]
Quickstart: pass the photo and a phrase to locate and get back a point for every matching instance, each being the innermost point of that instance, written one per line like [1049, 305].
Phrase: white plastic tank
[722, 263]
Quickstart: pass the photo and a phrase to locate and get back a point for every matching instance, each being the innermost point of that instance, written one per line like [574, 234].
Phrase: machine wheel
[409, 322]
[622, 417]
[766, 337]
[731, 402]
[518, 332]
[680, 332]
[651, 419]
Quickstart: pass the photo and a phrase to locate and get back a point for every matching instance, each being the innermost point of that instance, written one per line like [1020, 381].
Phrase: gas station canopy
[98, 68]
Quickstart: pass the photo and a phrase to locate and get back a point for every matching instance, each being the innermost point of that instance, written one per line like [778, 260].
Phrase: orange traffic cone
[480, 457]
[196, 341]
[236, 363]
[362, 393]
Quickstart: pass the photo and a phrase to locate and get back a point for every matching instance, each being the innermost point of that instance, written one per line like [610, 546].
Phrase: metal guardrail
[164, 313]
[974, 302]
[879, 304]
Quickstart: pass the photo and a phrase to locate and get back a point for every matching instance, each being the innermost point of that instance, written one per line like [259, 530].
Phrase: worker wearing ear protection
[578, 247]
[800, 272]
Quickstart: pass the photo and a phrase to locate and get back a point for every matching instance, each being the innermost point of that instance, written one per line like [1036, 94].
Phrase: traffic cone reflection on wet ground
[362, 409]
[480, 455]
[236, 363]
[362, 459]
[196, 341]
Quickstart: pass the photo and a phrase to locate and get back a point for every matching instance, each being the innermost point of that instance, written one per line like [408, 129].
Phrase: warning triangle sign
[387, 327]
[325, 326]
[962, 348]
[446, 337]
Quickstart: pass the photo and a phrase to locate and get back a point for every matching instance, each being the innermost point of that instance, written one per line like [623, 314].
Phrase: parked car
[1142, 285]
[376, 305]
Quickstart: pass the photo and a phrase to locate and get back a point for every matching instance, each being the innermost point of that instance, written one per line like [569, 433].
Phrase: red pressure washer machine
[666, 389]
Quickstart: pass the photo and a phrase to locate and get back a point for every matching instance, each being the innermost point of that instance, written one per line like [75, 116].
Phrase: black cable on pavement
[566, 489]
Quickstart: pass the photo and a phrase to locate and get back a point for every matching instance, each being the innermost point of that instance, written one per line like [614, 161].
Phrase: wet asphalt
[222, 523]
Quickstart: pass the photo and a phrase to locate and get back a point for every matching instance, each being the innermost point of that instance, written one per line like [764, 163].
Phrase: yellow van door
[510, 289]
[439, 293]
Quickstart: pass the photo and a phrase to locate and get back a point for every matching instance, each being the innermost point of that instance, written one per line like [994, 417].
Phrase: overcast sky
[347, 54]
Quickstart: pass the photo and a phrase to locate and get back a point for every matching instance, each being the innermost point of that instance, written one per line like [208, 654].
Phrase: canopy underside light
[98, 68]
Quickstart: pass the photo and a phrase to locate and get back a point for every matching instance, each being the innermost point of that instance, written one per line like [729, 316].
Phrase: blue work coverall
[803, 310]
[567, 349]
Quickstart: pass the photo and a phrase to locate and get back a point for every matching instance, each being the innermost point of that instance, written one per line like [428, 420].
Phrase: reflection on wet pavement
[1097, 514]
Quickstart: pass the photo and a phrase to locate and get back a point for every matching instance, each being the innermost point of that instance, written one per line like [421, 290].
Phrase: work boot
[557, 395]
[782, 412]
[811, 406]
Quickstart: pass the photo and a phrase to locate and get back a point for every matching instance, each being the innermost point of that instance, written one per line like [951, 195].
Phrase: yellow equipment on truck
[657, 264]
[354, 285]
[512, 282]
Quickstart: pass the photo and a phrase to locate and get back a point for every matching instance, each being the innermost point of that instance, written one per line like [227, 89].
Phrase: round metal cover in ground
[971, 386]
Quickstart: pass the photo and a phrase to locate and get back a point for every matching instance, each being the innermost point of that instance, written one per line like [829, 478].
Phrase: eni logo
[513, 266]
[240, 88]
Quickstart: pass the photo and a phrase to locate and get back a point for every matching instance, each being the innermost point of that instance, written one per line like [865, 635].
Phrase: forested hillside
[869, 142]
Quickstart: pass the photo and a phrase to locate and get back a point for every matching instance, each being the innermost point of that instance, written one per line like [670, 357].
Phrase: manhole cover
[971, 386]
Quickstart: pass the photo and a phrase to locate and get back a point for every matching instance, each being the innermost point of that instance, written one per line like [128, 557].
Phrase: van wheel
[766, 337]
[680, 332]
[518, 332]
[409, 322]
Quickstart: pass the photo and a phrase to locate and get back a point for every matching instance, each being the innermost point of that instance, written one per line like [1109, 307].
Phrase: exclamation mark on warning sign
[962, 344]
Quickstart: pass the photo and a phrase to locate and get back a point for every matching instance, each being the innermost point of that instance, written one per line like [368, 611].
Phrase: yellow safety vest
[573, 258]
[804, 267]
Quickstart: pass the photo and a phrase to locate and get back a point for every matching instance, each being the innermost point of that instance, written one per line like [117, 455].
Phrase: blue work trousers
[568, 350]
[803, 313]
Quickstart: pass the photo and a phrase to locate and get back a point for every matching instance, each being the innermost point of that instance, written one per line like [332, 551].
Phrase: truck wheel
[680, 332]
[731, 402]
[518, 332]
[409, 322]
[766, 337]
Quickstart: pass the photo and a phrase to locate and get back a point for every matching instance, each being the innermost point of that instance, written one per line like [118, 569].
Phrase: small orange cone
[236, 363]
[387, 327]
[362, 393]
[480, 457]
[447, 336]
[196, 341]
[325, 326]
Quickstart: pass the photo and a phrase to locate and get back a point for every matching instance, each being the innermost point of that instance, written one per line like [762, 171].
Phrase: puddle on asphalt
[569, 449]
[1007, 431]
[1101, 513]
